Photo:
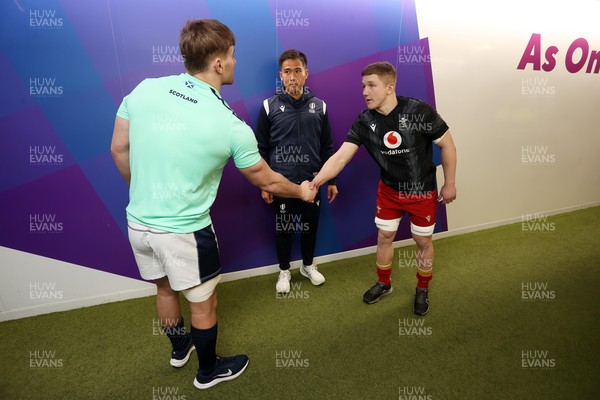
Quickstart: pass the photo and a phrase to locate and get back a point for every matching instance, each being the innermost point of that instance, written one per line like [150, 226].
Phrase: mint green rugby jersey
[181, 134]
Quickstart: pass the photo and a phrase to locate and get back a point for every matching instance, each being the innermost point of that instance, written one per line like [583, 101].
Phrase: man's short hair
[202, 39]
[293, 54]
[383, 69]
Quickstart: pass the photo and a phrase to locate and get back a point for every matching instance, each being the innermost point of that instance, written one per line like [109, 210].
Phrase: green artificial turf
[325, 343]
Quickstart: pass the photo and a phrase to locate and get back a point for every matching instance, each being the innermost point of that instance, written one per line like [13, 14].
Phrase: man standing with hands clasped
[174, 171]
[294, 138]
[398, 133]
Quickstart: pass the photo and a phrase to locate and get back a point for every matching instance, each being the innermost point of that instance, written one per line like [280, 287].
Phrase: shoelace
[378, 285]
[285, 274]
[310, 269]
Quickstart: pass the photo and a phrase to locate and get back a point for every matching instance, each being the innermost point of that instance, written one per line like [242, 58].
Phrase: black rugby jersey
[400, 143]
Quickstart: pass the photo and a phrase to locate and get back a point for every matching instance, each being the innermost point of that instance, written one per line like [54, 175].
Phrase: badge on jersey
[392, 140]
[403, 123]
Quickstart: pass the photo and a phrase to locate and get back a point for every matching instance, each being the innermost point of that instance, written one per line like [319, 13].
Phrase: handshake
[310, 189]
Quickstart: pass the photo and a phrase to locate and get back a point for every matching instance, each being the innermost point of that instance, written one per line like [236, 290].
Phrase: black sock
[177, 335]
[205, 341]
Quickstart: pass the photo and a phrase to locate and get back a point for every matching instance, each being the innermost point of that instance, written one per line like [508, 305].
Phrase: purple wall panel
[68, 64]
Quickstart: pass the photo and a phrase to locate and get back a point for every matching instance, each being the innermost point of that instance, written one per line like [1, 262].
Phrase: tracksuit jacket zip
[307, 148]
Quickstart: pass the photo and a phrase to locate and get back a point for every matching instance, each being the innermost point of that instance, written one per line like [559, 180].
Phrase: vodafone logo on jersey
[392, 140]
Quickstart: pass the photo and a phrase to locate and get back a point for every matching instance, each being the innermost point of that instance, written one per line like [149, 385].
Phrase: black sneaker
[180, 358]
[421, 306]
[374, 294]
[226, 369]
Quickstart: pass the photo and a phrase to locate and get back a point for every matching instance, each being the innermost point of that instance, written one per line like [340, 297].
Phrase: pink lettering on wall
[577, 56]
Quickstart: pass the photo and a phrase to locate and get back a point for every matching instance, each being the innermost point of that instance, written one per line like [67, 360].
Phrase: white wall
[33, 285]
[475, 49]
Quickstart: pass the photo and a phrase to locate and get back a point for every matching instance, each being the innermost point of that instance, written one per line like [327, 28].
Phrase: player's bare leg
[204, 313]
[167, 303]
[385, 247]
[424, 254]
[171, 320]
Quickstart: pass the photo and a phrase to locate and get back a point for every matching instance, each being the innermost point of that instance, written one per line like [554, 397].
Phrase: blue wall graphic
[66, 65]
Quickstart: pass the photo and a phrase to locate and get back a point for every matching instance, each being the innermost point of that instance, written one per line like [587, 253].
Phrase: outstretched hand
[309, 191]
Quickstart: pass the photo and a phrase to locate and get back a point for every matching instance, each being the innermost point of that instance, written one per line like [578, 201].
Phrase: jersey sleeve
[244, 149]
[353, 135]
[437, 125]
[123, 112]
